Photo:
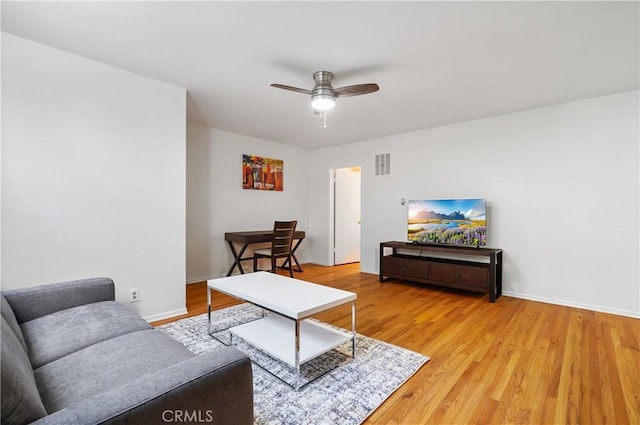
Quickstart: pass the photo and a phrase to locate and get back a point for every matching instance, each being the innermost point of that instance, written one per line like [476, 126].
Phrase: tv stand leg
[495, 276]
[498, 274]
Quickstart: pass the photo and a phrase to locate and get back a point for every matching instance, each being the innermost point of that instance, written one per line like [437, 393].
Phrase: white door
[346, 215]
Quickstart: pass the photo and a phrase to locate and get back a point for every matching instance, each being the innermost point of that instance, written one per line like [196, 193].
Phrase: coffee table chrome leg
[298, 347]
[353, 329]
[209, 304]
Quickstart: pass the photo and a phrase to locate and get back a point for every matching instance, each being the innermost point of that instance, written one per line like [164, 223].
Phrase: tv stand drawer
[477, 277]
[406, 267]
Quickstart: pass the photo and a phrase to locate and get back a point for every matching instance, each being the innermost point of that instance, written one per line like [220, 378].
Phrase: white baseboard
[201, 279]
[601, 309]
[598, 308]
[221, 273]
[166, 315]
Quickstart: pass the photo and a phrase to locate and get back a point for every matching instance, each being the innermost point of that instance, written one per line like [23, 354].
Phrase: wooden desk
[257, 236]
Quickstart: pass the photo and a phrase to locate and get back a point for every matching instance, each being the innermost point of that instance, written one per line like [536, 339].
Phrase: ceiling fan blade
[356, 90]
[296, 89]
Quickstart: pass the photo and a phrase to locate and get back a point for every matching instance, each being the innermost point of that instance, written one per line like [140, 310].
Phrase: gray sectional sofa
[72, 355]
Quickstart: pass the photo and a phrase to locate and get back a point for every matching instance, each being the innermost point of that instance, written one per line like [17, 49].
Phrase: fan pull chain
[324, 119]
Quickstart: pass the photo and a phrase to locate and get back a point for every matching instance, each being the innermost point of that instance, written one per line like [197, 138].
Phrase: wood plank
[514, 361]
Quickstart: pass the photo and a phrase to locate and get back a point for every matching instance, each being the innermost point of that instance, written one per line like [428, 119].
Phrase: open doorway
[346, 215]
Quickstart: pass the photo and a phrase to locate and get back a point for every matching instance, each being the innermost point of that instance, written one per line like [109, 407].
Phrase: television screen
[448, 221]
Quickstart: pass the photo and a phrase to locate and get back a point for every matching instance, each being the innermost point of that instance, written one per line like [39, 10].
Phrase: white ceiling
[436, 63]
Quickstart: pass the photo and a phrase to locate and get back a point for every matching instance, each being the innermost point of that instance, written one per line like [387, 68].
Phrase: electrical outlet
[134, 295]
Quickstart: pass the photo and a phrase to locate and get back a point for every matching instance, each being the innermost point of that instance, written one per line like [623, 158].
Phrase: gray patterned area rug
[336, 388]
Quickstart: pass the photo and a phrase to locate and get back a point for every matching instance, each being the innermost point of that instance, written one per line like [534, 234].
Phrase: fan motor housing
[323, 84]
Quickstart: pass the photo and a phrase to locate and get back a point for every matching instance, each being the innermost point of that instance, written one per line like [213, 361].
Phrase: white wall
[93, 176]
[561, 183]
[93, 183]
[216, 202]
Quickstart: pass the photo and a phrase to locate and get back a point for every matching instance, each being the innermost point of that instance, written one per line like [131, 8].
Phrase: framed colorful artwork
[259, 173]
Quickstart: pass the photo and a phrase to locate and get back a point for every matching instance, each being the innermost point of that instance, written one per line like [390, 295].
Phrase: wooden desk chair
[280, 246]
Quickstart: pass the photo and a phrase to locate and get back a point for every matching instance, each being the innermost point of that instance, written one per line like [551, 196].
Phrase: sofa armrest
[37, 301]
[213, 387]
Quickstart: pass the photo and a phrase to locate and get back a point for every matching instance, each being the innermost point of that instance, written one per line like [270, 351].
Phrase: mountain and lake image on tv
[448, 221]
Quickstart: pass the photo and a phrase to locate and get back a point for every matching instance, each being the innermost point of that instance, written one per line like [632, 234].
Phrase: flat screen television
[448, 221]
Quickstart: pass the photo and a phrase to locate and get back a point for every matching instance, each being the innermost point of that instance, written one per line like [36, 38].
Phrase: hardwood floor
[514, 361]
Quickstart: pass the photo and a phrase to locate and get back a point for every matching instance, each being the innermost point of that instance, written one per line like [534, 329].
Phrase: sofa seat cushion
[71, 380]
[21, 401]
[55, 335]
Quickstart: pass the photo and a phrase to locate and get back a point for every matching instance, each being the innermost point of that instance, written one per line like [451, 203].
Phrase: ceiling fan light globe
[323, 102]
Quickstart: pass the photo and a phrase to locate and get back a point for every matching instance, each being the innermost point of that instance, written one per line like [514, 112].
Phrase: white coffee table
[287, 335]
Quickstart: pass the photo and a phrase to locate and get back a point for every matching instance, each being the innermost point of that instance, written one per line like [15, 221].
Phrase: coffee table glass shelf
[287, 334]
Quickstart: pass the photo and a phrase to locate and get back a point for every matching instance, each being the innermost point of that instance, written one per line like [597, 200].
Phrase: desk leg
[293, 255]
[236, 258]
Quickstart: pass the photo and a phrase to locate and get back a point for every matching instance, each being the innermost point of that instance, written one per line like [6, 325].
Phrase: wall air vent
[383, 164]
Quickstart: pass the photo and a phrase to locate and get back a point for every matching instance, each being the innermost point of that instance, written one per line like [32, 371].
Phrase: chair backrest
[282, 237]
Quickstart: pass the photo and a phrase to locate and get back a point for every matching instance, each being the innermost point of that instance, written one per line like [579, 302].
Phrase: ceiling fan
[323, 95]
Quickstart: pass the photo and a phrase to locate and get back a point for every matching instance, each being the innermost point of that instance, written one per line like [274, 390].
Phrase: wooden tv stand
[428, 263]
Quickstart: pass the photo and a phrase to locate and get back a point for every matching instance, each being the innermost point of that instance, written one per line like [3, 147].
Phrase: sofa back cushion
[21, 403]
[10, 317]
[37, 301]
